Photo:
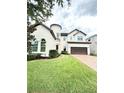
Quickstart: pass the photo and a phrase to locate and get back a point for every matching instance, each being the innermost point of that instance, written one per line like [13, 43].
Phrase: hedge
[53, 53]
[64, 52]
[33, 56]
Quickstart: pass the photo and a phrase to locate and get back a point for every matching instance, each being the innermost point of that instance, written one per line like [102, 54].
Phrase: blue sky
[81, 15]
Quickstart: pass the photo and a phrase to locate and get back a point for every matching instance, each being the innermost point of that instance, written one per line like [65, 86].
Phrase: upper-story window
[79, 38]
[64, 38]
[71, 38]
[57, 35]
[34, 46]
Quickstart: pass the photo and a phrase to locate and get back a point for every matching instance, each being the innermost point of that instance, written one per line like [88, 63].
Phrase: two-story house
[53, 38]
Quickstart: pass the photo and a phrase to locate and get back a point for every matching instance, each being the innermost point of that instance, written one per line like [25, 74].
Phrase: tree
[39, 11]
[30, 29]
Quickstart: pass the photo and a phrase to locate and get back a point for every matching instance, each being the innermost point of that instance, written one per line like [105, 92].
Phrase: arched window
[43, 45]
[34, 46]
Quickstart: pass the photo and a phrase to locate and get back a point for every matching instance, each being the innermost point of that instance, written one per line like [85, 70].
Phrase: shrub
[64, 52]
[92, 54]
[33, 56]
[38, 56]
[53, 53]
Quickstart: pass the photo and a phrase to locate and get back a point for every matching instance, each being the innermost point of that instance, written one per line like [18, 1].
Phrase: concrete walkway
[91, 61]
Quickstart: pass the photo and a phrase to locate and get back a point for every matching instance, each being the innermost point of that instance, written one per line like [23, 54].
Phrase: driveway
[91, 61]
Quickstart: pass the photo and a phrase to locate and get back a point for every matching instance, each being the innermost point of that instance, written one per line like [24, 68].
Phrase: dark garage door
[79, 50]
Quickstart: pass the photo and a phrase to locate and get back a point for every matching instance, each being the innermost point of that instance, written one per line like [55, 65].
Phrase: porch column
[69, 49]
[88, 50]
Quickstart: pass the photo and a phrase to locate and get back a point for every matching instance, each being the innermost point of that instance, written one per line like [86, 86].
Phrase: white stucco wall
[63, 43]
[44, 33]
[56, 29]
[93, 46]
[80, 34]
[41, 33]
[74, 37]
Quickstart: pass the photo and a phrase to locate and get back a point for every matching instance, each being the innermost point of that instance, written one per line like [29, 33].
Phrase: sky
[80, 15]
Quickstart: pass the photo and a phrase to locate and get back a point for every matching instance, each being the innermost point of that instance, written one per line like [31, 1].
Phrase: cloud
[65, 15]
[87, 7]
[81, 15]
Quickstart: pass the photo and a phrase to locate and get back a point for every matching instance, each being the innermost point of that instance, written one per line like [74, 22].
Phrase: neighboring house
[52, 38]
[93, 46]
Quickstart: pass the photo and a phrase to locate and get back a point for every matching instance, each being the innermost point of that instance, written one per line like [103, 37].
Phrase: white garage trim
[78, 45]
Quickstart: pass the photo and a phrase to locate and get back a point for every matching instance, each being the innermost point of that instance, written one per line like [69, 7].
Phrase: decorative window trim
[34, 46]
[43, 45]
[80, 38]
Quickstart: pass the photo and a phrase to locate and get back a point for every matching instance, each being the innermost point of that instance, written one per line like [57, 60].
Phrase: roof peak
[78, 31]
[51, 31]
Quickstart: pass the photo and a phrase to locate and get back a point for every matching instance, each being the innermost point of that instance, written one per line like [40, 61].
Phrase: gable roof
[77, 32]
[92, 36]
[51, 31]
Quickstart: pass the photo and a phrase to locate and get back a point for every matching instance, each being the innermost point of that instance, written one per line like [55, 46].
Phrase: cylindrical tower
[56, 29]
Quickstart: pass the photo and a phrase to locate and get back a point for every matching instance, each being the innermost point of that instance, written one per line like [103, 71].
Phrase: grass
[64, 74]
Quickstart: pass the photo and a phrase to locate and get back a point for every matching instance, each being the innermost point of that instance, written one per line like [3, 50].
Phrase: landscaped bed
[64, 74]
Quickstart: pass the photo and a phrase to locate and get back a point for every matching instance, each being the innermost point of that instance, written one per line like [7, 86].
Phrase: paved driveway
[91, 61]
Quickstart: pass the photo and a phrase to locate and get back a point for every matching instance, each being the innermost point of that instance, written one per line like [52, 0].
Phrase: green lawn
[60, 75]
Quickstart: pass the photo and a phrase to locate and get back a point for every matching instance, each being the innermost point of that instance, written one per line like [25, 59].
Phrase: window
[79, 38]
[57, 35]
[34, 46]
[43, 45]
[64, 38]
[71, 38]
